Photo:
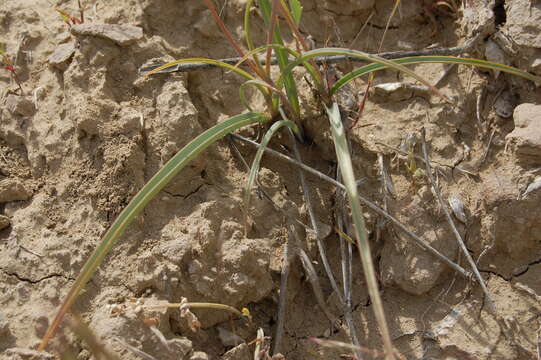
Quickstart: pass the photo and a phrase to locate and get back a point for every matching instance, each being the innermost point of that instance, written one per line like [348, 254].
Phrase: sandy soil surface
[89, 131]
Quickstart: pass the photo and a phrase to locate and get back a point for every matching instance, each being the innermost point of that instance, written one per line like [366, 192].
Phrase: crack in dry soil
[35, 281]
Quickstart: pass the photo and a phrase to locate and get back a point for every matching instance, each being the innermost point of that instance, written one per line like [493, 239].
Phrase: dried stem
[346, 255]
[368, 203]
[457, 50]
[313, 221]
[453, 226]
[287, 256]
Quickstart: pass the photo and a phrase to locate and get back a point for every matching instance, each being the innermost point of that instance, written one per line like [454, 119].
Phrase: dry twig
[456, 50]
[458, 237]
[365, 201]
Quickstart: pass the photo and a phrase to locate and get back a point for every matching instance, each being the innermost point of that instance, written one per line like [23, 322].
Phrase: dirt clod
[13, 190]
[527, 132]
[4, 222]
[61, 56]
[20, 105]
[123, 35]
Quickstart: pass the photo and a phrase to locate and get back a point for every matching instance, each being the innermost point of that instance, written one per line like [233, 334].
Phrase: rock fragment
[123, 35]
[536, 66]
[199, 355]
[20, 105]
[494, 53]
[505, 104]
[527, 133]
[61, 56]
[4, 223]
[522, 25]
[4, 325]
[457, 206]
[13, 190]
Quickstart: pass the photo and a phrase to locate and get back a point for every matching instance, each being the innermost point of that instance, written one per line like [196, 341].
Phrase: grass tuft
[282, 100]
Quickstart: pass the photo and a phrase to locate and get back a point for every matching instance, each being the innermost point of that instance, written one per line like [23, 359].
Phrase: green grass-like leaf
[296, 10]
[348, 176]
[309, 67]
[219, 63]
[141, 199]
[432, 59]
[254, 170]
[283, 59]
[360, 55]
[247, 25]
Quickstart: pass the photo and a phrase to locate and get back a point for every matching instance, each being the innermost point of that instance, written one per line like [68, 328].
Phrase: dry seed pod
[457, 206]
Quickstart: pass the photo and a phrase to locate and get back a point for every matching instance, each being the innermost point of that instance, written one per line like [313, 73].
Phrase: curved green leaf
[222, 64]
[141, 199]
[295, 54]
[259, 155]
[283, 59]
[360, 55]
[205, 61]
[432, 59]
[348, 175]
[296, 10]
[247, 24]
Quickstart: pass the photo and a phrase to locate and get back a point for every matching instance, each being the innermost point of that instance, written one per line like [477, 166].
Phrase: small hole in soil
[500, 16]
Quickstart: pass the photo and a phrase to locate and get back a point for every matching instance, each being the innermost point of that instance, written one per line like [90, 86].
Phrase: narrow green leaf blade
[360, 55]
[283, 59]
[247, 25]
[141, 199]
[266, 10]
[205, 61]
[259, 155]
[433, 59]
[348, 175]
[296, 10]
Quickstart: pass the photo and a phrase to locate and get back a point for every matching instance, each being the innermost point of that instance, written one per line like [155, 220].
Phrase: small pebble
[13, 190]
[457, 206]
[4, 222]
[62, 55]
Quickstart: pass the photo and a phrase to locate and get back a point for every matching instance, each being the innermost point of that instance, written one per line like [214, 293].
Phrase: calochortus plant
[280, 92]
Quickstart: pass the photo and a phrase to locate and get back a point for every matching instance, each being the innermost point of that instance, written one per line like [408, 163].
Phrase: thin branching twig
[313, 279]
[313, 221]
[346, 254]
[449, 218]
[284, 276]
[487, 150]
[367, 202]
[456, 50]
